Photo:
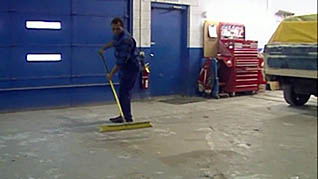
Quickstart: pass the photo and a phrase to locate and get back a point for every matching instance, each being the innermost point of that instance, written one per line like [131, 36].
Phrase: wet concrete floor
[245, 137]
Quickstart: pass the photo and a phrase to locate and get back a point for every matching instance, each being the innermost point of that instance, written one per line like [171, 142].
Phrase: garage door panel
[88, 66]
[4, 60]
[23, 69]
[91, 30]
[4, 66]
[100, 7]
[5, 29]
[4, 5]
[41, 34]
[42, 6]
[41, 67]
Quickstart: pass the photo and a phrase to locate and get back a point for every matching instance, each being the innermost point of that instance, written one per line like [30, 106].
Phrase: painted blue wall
[195, 60]
[13, 100]
[79, 79]
[191, 68]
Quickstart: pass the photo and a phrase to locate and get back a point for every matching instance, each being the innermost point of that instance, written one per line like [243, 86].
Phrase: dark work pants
[125, 89]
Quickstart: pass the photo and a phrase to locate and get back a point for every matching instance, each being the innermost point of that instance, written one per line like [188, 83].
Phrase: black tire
[232, 94]
[294, 99]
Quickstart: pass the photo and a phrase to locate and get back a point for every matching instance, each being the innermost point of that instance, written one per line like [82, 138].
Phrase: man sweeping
[127, 65]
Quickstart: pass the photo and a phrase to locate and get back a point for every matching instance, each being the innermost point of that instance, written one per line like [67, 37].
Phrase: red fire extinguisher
[145, 76]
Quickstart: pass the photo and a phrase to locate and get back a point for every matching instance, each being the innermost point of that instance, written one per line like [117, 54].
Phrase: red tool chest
[240, 66]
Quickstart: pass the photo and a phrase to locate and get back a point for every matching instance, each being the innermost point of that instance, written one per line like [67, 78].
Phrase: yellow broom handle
[116, 98]
[113, 89]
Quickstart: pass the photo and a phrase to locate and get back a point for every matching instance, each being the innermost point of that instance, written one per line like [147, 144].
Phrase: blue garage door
[169, 48]
[53, 44]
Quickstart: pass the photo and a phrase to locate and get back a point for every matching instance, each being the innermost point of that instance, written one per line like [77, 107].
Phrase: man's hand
[109, 76]
[101, 52]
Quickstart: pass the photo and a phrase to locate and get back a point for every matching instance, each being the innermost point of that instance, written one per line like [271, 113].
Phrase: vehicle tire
[294, 99]
[232, 94]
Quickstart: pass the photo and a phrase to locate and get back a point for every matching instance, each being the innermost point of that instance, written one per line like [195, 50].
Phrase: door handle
[152, 43]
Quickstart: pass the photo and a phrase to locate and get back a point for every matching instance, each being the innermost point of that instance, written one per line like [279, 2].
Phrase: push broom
[124, 126]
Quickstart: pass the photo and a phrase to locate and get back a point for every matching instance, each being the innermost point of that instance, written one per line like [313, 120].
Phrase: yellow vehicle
[291, 58]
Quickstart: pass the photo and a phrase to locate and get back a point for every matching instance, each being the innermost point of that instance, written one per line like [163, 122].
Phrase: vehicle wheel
[232, 94]
[294, 99]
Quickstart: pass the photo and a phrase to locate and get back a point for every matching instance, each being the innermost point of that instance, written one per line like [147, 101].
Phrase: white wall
[300, 7]
[257, 15]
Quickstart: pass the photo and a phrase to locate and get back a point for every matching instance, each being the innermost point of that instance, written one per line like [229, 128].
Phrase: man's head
[117, 26]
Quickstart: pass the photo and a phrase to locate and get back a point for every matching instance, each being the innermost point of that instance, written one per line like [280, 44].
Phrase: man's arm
[114, 70]
[107, 46]
[129, 43]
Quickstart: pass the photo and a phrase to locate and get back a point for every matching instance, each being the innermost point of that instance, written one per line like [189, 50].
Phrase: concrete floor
[245, 137]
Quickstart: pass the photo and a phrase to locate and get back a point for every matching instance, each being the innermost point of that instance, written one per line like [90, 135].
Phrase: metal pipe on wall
[140, 24]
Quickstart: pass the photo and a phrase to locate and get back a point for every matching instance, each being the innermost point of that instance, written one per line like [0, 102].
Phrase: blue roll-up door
[5, 43]
[91, 27]
[80, 29]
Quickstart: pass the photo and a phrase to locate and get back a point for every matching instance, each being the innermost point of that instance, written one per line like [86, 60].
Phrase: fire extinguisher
[145, 76]
[144, 70]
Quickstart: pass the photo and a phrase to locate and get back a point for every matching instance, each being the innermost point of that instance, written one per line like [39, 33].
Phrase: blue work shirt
[126, 54]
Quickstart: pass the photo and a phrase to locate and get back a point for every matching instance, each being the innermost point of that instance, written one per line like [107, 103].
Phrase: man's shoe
[114, 118]
[118, 119]
[129, 120]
